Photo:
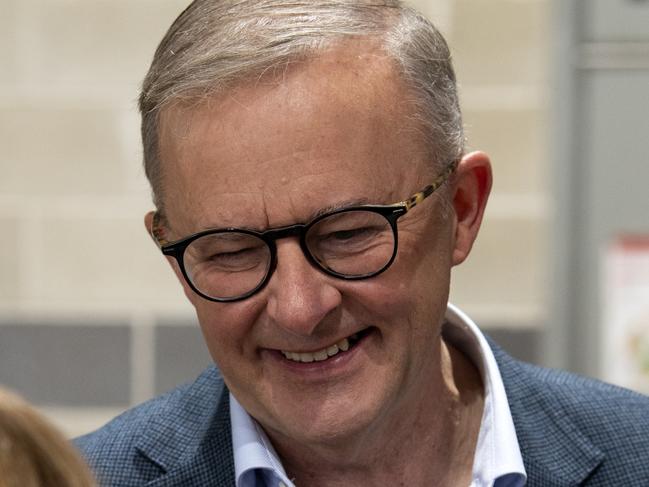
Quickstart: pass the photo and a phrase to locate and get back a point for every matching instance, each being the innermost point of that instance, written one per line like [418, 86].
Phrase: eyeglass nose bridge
[272, 236]
[296, 230]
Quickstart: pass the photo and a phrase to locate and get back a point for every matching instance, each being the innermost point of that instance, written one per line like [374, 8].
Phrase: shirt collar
[254, 455]
[498, 460]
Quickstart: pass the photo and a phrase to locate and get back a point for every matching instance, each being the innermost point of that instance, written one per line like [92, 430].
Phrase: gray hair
[215, 44]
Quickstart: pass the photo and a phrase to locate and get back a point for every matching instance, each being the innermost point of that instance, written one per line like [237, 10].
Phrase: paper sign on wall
[625, 333]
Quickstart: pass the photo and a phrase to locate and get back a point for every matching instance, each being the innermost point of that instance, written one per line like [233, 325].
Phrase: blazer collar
[189, 438]
[556, 452]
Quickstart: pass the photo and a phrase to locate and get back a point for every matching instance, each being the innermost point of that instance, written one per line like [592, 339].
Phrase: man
[312, 195]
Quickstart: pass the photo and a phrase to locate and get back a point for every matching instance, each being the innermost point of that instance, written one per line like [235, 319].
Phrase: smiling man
[312, 196]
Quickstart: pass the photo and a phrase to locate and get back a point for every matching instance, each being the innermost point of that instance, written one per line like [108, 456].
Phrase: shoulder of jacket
[113, 447]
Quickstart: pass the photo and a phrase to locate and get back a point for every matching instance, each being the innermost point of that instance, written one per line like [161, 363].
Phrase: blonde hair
[33, 453]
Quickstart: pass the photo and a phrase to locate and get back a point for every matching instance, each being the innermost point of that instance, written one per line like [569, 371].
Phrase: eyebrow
[338, 206]
[321, 211]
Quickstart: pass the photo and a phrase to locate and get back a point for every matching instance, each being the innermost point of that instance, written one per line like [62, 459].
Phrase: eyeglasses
[352, 243]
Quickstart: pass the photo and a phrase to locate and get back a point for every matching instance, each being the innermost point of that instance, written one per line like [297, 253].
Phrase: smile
[324, 354]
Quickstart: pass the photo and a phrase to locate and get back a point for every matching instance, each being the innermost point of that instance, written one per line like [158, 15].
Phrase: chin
[331, 421]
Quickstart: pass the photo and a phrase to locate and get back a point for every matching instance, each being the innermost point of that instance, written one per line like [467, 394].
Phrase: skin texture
[276, 152]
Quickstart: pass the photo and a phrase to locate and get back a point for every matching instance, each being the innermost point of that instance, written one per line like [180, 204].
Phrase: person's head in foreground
[33, 453]
[312, 196]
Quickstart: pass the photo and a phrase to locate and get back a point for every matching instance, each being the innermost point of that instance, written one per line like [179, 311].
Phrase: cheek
[396, 298]
[227, 328]
[424, 270]
[415, 288]
[426, 257]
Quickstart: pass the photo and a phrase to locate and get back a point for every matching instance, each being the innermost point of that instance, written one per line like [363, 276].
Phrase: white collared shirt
[497, 463]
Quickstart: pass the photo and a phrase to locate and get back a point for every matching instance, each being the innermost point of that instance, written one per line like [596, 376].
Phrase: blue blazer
[571, 430]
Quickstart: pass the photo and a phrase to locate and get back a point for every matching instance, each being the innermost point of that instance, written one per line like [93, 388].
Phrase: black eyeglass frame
[391, 212]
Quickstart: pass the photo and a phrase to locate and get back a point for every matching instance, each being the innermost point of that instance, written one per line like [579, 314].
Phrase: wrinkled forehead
[318, 131]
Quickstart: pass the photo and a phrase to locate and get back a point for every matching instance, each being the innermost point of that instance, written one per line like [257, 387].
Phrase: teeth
[332, 350]
[320, 355]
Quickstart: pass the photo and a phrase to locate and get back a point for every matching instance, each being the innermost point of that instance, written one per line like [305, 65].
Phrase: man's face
[330, 132]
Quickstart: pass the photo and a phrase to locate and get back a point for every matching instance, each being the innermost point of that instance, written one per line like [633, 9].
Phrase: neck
[430, 436]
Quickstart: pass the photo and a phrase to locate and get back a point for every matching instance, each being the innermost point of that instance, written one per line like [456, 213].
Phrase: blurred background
[556, 91]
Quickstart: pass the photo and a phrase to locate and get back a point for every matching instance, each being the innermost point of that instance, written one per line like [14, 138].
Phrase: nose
[300, 296]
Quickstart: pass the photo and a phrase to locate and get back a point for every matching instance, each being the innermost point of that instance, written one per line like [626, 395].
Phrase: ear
[471, 187]
[148, 224]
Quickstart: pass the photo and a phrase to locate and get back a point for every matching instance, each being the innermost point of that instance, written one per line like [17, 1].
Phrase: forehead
[322, 132]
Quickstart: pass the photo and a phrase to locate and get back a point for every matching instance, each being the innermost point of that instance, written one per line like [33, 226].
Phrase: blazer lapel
[556, 452]
[191, 440]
